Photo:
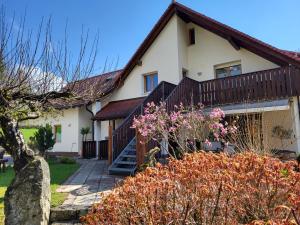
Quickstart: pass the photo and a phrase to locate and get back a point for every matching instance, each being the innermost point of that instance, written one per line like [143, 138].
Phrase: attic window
[192, 36]
[150, 82]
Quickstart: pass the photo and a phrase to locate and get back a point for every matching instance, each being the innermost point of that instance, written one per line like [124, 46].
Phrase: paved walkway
[88, 184]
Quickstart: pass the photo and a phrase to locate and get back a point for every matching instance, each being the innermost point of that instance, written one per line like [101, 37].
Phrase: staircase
[125, 163]
[124, 141]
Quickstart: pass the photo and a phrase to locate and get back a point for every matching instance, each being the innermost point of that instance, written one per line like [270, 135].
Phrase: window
[228, 70]
[150, 82]
[57, 133]
[192, 39]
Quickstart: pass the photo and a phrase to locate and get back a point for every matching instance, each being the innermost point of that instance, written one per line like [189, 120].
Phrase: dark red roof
[234, 36]
[89, 90]
[295, 55]
[118, 109]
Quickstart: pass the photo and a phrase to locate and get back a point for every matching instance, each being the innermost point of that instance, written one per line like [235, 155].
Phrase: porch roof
[256, 107]
[118, 109]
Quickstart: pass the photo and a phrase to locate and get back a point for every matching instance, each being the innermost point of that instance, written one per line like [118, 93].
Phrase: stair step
[128, 156]
[130, 149]
[125, 171]
[126, 162]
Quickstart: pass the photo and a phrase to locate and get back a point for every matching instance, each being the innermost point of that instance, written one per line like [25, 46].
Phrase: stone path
[86, 187]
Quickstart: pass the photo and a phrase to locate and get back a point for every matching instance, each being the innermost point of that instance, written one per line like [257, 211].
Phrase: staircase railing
[124, 133]
[187, 92]
[263, 85]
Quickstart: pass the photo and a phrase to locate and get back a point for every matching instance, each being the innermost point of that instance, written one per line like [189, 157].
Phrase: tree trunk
[27, 199]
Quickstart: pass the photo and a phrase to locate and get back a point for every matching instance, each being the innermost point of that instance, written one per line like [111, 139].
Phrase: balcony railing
[264, 85]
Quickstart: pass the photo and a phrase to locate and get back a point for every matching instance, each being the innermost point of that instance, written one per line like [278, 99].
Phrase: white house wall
[170, 53]
[71, 121]
[84, 120]
[182, 31]
[211, 49]
[68, 119]
[279, 118]
[162, 57]
[104, 129]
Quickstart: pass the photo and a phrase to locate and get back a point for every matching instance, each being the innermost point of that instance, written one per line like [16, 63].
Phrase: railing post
[110, 144]
[140, 148]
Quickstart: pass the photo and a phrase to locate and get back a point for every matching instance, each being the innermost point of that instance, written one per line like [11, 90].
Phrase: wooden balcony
[264, 85]
[258, 86]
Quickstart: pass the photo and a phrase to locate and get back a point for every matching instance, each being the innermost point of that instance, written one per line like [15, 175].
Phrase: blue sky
[123, 24]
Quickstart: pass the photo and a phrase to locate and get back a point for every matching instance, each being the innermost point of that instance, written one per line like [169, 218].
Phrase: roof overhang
[118, 109]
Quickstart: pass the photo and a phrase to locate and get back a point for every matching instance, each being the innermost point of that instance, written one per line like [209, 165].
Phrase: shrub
[67, 160]
[183, 127]
[206, 188]
[84, 131]
[42, 140]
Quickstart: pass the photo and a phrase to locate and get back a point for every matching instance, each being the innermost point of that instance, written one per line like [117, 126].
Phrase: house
[73, 115]
[189, 57]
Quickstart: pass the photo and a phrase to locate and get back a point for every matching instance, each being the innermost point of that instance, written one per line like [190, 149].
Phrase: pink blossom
[208, 143]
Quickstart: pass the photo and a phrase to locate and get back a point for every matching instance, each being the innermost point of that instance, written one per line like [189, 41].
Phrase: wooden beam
[110, 149]
[233, 43]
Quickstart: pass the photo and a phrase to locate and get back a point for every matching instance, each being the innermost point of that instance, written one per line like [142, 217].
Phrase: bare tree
[34, 74]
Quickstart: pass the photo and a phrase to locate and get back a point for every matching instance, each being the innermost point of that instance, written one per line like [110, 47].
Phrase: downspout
[93, 121]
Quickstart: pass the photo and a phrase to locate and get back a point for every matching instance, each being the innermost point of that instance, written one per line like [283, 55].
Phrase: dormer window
[192, 39]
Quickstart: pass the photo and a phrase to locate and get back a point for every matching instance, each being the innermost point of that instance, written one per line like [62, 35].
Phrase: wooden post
[110, 144]
[140, 149]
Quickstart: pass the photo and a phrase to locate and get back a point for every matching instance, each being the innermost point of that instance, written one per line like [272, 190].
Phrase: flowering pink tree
[184, 128]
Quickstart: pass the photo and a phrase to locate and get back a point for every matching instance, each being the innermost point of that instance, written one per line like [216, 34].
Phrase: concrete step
[71, 222]
[126, 162]
[66, 213]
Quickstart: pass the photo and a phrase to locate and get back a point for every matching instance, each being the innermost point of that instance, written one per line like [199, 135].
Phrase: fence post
[140, 149]
[110, 143]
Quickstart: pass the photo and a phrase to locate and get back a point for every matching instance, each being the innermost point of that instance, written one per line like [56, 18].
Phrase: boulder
[27, 199]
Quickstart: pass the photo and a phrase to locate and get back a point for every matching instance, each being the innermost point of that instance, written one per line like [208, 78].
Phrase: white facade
[71, 121]
[170, 53]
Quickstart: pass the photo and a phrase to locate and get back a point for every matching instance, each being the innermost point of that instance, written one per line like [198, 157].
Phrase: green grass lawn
[28, 132]
[59, 173]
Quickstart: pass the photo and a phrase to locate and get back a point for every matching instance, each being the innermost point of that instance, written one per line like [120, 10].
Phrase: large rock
[27, 199]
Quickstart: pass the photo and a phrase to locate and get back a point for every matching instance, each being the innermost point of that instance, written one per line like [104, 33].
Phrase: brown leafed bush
[206, 188]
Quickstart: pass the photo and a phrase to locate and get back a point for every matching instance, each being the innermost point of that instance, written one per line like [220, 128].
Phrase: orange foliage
[206, 188]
